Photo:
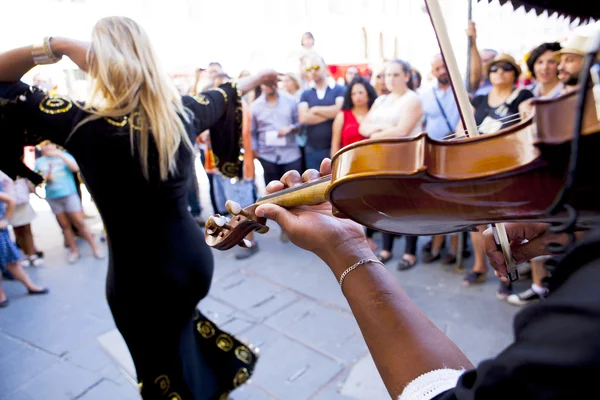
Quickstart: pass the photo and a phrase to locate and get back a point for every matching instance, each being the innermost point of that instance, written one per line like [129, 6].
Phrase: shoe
[4, 303]
[36, 261]
[405, 264]
[246, 252]
[25, 263]
[474, 277]
[448, 259]
[100, 255]
[73, 257]
[36, 292]
[523, 298]
[384, 259]
[504, 291]
[429, 258]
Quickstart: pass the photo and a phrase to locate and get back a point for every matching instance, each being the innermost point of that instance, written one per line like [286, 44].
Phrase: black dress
[159, 264]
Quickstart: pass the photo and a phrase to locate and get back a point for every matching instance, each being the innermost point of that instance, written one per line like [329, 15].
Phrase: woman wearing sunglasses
[494, 111]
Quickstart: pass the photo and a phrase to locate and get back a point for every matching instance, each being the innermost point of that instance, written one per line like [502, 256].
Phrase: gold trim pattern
[174, 396]
[243, 354]
[55, 105]
[241, 377]
[117, 123]
[224, 396]
[206, 329]
[201, 99]
[135, 120]
[163, 382]
[224, 342]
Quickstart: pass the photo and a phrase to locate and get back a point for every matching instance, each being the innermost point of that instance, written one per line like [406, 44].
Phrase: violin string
[463, 133]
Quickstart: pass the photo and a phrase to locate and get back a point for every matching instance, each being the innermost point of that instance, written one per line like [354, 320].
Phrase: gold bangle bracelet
[42, 53]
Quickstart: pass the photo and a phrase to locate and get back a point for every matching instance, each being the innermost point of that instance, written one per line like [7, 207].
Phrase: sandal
[384, 259]
[474, 277]
[405, 264]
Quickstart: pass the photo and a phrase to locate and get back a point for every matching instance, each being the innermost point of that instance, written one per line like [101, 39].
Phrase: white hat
[575, 44]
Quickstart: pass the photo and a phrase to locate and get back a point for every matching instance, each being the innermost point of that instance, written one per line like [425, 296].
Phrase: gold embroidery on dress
[135, 120]
[163, 382]
[55, 105]
[243, 354]
[241, 377]
[116, 122]
[201, 99]
[224, 396]
[223, 93]
[224, 342]
[174, 396]
[140, 386]
[206, 329]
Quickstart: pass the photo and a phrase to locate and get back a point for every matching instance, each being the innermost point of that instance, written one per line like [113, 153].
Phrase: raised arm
[15, 63]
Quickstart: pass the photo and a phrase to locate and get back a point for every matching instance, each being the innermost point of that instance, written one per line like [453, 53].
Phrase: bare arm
[404, 343]
[15, 63]
[71, 164]
[329, 112]
[412, 115]
[336, 133]
[307, 117]
[475, 77]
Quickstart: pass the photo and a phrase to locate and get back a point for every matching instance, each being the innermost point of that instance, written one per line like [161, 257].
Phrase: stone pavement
[283, 300]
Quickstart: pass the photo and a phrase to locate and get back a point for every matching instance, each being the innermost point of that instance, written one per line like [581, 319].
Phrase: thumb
[273, 212]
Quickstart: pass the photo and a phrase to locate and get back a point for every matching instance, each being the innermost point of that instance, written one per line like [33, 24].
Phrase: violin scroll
[224, 233]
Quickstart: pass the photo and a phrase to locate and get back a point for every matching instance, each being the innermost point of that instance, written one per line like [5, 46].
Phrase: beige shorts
[23, 215]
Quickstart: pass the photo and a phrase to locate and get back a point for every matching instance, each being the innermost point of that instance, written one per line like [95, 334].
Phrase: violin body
[421, 186]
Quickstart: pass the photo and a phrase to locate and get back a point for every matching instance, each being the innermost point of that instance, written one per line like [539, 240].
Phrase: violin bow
[466, 114]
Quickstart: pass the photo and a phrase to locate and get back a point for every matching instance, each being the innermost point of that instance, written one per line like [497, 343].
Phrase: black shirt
[556, 351]
[492, 119]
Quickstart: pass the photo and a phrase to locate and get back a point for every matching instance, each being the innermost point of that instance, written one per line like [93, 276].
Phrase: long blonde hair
[127, 80]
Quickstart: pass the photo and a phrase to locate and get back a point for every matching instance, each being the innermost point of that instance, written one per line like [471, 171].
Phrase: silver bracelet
[42, 54]
[353, 267]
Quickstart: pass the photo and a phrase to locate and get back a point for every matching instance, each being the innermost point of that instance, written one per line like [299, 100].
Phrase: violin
[422, 186]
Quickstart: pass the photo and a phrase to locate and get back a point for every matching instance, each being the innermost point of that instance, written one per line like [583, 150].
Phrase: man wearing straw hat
[571, 60]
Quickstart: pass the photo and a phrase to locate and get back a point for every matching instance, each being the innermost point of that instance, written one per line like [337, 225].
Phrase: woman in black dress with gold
[136, 117]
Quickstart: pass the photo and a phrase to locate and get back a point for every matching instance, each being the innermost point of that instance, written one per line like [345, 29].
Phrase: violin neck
[303, 195]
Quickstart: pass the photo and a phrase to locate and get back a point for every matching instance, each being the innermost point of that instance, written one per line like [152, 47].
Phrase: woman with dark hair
[358, 100]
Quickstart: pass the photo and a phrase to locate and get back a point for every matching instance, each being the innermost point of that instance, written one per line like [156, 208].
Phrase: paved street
[283, 300]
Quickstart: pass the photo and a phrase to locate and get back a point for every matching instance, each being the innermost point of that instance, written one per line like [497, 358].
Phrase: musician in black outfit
[136, 115]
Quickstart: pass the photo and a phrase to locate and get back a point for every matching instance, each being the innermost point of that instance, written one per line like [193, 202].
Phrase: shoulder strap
[450, 129]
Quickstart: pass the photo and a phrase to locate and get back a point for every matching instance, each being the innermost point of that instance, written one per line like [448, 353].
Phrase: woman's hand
[314, 228]
[538, 238]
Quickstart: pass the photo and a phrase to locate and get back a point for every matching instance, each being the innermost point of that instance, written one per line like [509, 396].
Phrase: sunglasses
[503, 67]
[313, 68]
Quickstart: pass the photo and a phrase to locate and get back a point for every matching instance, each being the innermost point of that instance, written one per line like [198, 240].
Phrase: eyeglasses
[313, 68]
[503, 67]
[380, 76]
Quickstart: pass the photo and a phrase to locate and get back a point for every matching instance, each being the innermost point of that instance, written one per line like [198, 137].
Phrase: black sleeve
[220, 110]
[556, 352]
[28, 116]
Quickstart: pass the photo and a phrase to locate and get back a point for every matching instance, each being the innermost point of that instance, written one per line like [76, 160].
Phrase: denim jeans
[314, 157]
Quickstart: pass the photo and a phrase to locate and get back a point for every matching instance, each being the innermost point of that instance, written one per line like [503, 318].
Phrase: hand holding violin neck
[303, 195]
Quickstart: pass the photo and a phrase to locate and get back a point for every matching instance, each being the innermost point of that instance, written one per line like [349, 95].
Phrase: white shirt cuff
[430, 384]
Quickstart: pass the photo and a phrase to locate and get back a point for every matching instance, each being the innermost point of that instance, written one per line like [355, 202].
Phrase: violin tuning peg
[263, 230]
[215, 222]
[232, 207]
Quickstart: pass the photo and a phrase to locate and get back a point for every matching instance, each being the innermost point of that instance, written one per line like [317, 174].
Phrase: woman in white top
[398, 114]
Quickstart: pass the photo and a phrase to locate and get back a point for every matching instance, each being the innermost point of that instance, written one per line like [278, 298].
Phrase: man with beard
[571, 61]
